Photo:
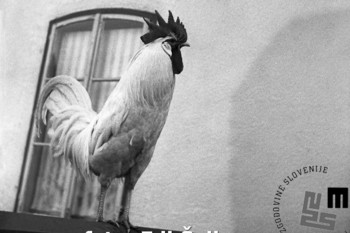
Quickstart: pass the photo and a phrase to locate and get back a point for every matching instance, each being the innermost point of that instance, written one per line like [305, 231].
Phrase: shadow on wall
[293, 110]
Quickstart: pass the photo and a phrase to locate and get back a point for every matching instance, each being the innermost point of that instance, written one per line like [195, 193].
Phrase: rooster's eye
[167, 48]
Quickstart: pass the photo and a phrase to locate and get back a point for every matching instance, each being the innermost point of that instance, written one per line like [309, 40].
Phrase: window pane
[100, 91]
[51, 182]
[85, 199]
[119, 42]
[71, 50]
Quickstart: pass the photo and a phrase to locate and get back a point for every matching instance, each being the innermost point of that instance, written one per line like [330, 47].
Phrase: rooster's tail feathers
[59, 93]
[72, 120]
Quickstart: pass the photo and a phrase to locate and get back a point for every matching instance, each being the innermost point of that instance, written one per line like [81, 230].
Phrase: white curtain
[74, 53]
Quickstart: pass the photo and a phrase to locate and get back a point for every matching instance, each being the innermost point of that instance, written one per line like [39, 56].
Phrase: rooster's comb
[173, 28]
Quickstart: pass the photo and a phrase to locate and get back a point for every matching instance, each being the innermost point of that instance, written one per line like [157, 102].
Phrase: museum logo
[337, 197]
[318, 208]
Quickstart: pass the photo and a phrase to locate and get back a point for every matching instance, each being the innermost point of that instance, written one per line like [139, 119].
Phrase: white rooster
[117, 142]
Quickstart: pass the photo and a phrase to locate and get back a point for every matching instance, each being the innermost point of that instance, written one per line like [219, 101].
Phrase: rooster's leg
[124, 211]
[129, 184]
[101, 202]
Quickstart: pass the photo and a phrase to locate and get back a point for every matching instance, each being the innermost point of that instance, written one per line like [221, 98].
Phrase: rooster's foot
[125, 223]
[114, 223]
[128, 225]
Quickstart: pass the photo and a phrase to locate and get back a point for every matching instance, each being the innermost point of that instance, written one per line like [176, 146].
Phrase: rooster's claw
[125, 223]
[114, 223]
[128, 225]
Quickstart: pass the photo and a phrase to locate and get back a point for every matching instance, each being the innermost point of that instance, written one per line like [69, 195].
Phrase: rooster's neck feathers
[173, 28]
[149, 80]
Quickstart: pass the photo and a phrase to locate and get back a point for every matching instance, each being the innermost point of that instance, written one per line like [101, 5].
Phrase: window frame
[98, 16]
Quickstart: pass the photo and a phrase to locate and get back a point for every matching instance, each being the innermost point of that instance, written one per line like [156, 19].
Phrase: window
[95, 48]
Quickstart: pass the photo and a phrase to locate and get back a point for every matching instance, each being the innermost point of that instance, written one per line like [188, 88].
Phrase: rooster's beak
[185, 45]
